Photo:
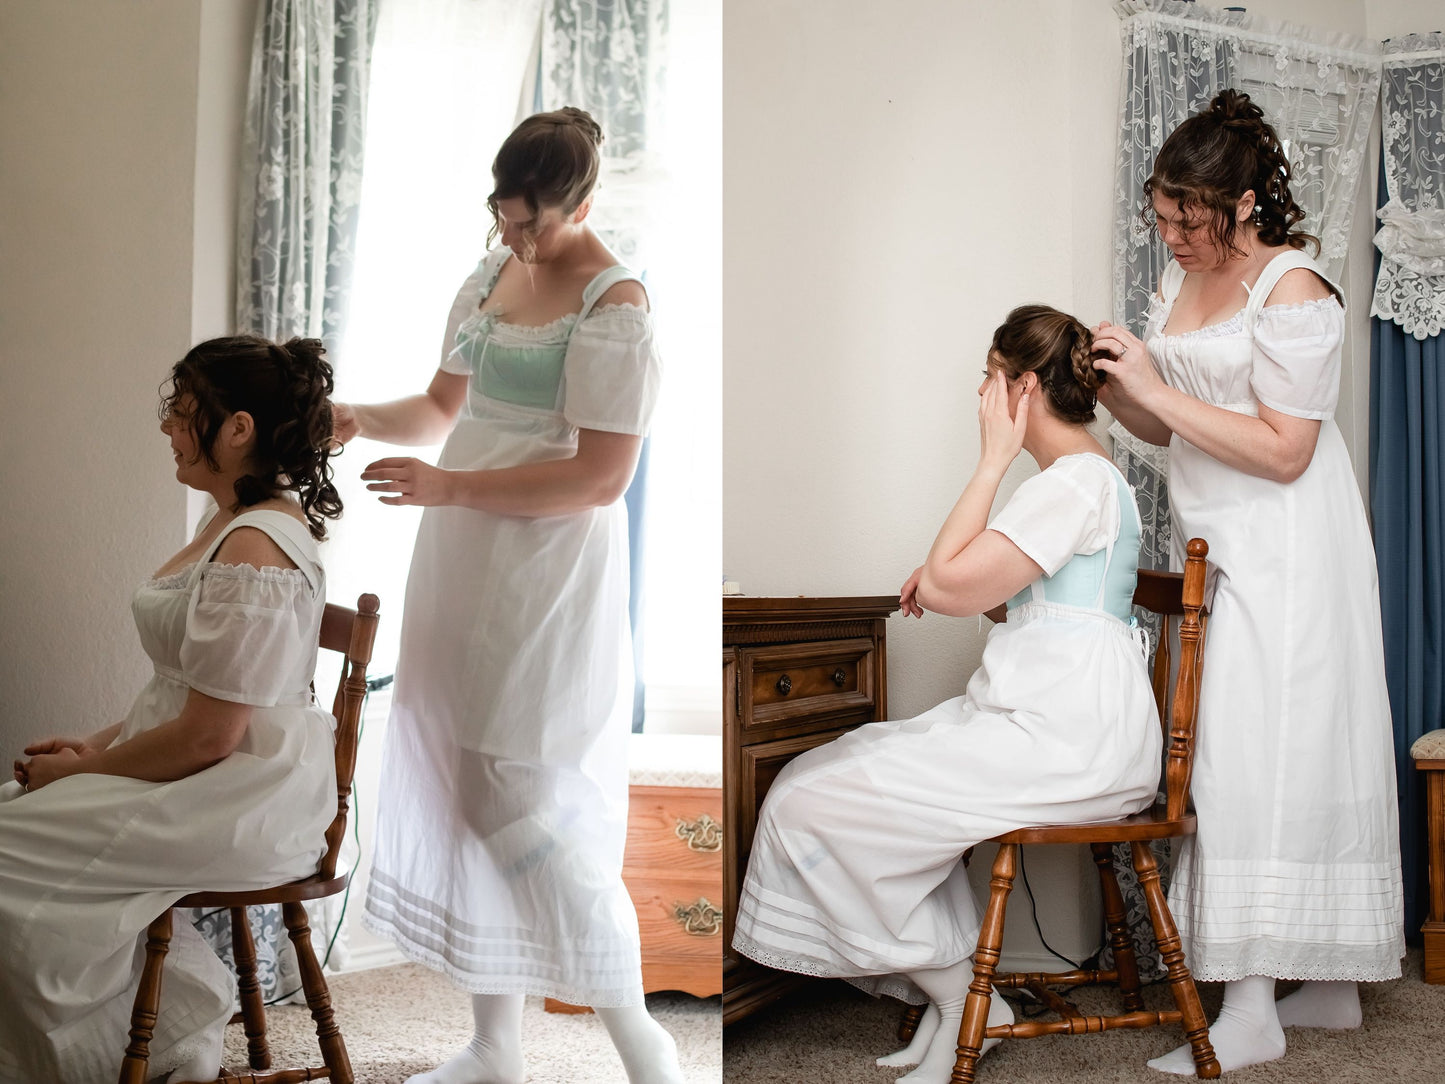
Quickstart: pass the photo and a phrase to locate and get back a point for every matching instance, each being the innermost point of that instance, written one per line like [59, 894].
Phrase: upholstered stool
[673, 865]
[1429, 754]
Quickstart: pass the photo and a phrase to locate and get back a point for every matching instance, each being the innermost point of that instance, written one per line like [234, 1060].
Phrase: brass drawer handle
[702, 919]
[785, 685]
[703, 834]
[840, 677]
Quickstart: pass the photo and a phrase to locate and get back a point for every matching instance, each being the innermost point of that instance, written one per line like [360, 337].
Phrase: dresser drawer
[802, 684]
[678, 829]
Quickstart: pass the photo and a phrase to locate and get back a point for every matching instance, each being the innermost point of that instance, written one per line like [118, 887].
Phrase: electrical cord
[1034, 907]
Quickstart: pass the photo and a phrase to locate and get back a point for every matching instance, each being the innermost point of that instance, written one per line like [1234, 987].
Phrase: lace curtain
[301, 168]
[1318, 90]
[609, 58]
[1410, 288]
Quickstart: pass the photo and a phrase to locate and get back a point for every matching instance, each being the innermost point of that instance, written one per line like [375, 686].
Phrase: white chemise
[499, 843]
[854, 870]
[87, 862]
[1295, 870]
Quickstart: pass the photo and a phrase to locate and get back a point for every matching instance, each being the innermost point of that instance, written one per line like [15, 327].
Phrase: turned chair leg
[253, 1009]
[1181, 983]
[1126, 966]
[318, 997]
[985, 966]
[908, 1026]
[134, 1067]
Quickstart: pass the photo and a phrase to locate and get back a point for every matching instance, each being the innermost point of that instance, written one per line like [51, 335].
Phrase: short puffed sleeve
[1071, 508]
[1297, 357]
[251, 635]
[612, 372]
[474, 288]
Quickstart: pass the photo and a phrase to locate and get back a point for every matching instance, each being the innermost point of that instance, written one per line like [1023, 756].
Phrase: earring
[1257, 215]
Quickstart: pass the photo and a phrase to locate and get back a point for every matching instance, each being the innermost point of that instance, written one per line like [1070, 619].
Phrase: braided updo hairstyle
[1039, 339]
[286, 389]
[1212, 159]
[549, 160]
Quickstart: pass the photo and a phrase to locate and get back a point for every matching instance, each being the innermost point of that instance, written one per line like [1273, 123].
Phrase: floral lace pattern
[1410, 289]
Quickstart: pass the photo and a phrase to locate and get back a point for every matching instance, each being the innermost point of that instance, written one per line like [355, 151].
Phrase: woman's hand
[1001, 436]
[48, 767]
[410, 481]
[1122, 355]
[908, 595]
[344, 424]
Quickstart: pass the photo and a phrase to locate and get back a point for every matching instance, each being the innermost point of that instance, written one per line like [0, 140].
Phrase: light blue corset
[1097, 581]
[526, 375]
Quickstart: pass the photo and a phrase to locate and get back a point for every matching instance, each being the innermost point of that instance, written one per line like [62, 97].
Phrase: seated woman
[220, 777]
[855, 869]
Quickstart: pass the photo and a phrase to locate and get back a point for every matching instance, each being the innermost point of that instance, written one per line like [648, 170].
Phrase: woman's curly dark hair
[1212, 159]
[286, 389]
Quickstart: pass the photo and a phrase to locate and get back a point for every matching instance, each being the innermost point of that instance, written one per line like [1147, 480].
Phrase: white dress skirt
[1295, 870]
[499, 843]
[855, 872]
[89, 861]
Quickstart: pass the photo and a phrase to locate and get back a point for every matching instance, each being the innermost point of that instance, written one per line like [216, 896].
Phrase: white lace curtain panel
[1410, 288]
[609, 58]
[1318, 89]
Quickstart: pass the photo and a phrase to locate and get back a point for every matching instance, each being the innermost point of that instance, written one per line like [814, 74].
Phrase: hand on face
[410, 481]
[1001, 434]
[1120, 354]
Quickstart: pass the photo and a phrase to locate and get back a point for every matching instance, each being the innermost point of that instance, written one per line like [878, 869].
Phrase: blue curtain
[1407, 497]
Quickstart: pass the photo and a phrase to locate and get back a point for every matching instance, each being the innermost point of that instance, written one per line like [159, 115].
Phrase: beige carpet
[830, 1033]
[403, 1020]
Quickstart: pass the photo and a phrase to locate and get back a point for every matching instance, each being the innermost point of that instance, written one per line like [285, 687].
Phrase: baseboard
[371, 956]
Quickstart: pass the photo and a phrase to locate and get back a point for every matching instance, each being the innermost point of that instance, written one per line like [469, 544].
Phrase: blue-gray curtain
[296, 240]
[609, 58]
[1407, 498]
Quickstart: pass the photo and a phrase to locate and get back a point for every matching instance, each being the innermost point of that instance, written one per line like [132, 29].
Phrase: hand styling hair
[286, 389]
[1212, 159]
[1042, 340]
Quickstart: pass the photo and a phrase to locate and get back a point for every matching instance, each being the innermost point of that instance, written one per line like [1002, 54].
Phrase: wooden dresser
[797, 672]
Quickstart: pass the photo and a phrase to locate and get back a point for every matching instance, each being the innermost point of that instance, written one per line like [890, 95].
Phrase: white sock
[947, 987]
[913, 1052]
[647, 1051]
[205, 1065]
[1246, 1031]
[494, 1055]
[1321, 1005]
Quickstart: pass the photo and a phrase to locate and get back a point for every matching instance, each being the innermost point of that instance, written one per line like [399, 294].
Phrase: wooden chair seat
[352, 633]
[1172, 595]
[1428, 752]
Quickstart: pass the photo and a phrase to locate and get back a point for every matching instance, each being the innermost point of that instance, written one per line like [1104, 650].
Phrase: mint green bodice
[1098, 581]
[523, 374]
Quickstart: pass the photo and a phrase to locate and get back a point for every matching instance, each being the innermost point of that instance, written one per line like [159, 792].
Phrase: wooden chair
[352, 633]
[1428, 752]
[1171, 594]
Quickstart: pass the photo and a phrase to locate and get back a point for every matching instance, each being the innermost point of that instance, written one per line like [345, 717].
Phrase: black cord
[1033, 905]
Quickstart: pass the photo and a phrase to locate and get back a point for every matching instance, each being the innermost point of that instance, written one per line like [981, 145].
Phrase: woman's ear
[582, 210]
[1029, 382]
[240, 430]
[1245, 207]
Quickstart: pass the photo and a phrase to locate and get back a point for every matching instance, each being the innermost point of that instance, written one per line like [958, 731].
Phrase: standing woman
[1295, 872]
[500, 835]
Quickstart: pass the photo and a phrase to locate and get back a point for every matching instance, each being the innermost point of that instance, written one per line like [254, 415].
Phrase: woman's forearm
[555, 487]
[943, 571]
[102, 738]
[205, 732]
[1136, 419]
[1273, 445]
[414, 420]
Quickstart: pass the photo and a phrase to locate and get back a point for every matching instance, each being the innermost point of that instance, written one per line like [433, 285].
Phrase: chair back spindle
[353, 634]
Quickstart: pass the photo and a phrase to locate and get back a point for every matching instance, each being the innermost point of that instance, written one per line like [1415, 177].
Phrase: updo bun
[1212, 159]
[1059, 349]
[549, 160]
[286, 388]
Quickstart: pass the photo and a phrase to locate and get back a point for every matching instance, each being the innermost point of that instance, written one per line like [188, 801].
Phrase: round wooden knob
[840, 677]
[785, 685]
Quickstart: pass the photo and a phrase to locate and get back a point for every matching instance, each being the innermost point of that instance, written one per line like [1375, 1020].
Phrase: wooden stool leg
[1126, 966]
[1434, 928]
[135, 1066]
[318, 997]
[985, 965]
[1181, 982]
[253, 1009]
